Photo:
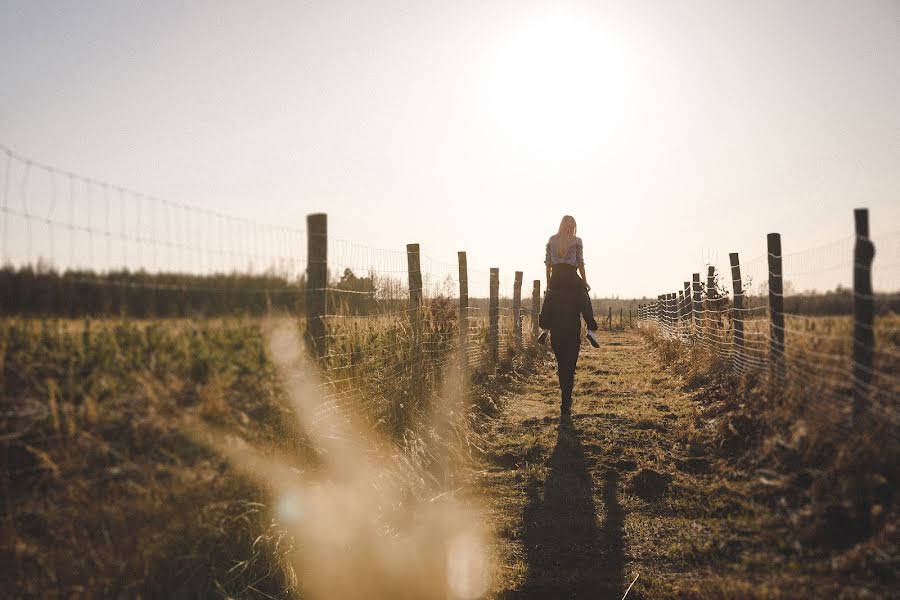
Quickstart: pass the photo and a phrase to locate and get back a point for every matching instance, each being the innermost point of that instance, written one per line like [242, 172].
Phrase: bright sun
[559, 86]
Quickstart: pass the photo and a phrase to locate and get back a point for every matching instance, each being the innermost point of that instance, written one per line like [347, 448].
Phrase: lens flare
[289, 508]
[467, 575]
[371, 521]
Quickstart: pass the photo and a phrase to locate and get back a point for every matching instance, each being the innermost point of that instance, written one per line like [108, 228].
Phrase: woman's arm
[548, 262]
[579, 259]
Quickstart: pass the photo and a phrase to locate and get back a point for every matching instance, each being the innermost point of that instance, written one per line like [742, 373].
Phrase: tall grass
[838, 472]
[105, 490]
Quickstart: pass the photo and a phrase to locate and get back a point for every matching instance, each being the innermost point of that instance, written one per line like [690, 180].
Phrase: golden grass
[731, 522]
[106, 493]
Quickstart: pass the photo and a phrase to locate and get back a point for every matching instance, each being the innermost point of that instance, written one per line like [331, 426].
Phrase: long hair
[565, 237]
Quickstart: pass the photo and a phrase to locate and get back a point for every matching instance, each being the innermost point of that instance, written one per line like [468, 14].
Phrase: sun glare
[559, 86]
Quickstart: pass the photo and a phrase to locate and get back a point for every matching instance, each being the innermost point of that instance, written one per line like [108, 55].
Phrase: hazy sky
[672, 131]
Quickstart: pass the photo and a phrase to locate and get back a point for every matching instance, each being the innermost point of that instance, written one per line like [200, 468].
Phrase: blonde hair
[565, 237]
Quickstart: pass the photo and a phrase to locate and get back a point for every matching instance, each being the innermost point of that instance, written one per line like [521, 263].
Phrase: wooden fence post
[697, 306]
[738, 316]
[517, 308]
[863, 312]
[535, 308]
[621, 320]
[494, 316]
[463, 311]
[665, 311]
[609, 319]
[415, 314]
[665, 303]
[316, 282]
[659, 312]
[687, 304]
[776, 306]
[712, 295]
[673, 312]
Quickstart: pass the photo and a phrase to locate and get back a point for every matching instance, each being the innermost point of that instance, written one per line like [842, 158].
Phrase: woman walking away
[565, 254]
[566, 302]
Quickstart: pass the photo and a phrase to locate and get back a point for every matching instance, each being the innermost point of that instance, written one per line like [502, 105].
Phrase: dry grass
[830, 477]
[675, 468]
[103, 493]
[666, 470]
[106, 492]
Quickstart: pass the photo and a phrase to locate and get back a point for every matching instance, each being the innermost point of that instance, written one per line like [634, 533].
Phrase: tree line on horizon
[36, 292]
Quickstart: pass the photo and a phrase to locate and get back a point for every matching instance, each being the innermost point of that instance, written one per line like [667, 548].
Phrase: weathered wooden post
[776, 306]
[687, 304]
[316, 282]
[659, 311]
[697, 306]
[863, 312]
[621, 320]
[738, 317]
[662, 311]
[609, 319]
[535, 308]
[711, 293]
[463, 311]
[666, 312]
[517, 308]
[415, 314]
[494, 316]
[712, 296]
[673, 312]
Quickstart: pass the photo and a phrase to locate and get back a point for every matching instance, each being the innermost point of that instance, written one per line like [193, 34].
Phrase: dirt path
[582, 507]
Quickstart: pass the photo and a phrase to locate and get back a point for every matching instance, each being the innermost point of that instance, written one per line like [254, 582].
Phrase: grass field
[686, 476]
[119, 473]
[108, 487]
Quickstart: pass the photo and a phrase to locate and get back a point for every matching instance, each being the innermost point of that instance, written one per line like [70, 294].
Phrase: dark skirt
[565, 276]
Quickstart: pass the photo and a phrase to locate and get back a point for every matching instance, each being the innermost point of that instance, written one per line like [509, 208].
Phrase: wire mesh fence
[76, 247]
[762, 317]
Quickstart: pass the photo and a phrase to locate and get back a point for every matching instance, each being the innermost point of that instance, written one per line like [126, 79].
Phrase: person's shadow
[568, 554]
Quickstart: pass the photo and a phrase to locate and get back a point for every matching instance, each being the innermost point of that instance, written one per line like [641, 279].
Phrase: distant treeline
[29, 292]
[831, 303]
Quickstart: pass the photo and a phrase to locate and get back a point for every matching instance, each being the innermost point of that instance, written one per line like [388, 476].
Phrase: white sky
[671, 131]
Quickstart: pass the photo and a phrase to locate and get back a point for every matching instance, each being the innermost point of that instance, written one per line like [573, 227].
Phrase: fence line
[376, 319]
[850, 362]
